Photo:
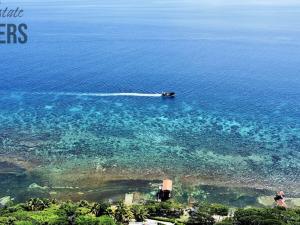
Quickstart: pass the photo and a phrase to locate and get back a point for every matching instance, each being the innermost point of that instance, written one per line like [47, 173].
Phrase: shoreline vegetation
[42, 211]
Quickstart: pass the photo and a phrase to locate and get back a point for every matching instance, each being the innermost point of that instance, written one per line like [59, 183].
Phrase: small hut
[165, 190]
[167, 185]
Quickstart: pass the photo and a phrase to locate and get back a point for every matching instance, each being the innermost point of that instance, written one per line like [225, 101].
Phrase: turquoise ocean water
[234, 123]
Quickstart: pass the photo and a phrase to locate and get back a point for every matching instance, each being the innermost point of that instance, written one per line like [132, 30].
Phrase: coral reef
[84, 141]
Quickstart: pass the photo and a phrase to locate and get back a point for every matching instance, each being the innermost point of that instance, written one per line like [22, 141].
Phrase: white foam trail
[99, 94]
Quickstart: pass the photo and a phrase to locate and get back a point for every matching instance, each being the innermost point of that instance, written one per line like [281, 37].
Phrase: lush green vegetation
[169, 209]
[213, 209]
[276, 216]
[45, 212]
[51, 212]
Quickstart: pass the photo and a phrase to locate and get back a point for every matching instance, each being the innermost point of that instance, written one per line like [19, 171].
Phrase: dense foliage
[199, 217]
[44, 212]
[50, 212]
[213, 209]
[169, 209]
[266, 216]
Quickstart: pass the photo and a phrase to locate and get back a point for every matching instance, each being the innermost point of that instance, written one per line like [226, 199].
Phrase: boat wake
[98, 94]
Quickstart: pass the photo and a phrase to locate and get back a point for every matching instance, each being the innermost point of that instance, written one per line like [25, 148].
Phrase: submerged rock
[11, 168]
[266, 200]
[5, 201]
[36, 186]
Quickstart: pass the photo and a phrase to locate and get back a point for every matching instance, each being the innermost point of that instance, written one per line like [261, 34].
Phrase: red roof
[167, 185]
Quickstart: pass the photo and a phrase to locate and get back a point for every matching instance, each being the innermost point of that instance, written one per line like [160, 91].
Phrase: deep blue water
[234, 66]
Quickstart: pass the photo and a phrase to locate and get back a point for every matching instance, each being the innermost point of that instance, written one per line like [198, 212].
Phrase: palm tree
[140, 213]
[100, 209]
[36, 204]
[123, 214]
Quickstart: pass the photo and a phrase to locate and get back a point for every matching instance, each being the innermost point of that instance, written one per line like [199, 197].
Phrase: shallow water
[234, 122]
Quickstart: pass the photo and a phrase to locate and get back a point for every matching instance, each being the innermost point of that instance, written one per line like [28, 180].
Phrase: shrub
[163, 219]
[90, 220]
[106, 220]
[168, 209]
[36, 204]
[13, 209]
[179, 223]
[253, 213]
[140, 213]
[61, 220]
[247, 220]
[200, 218]
[219, 209]
[224, 223]
[24, 223]
[54, 201]
[68, 209]
[10, 221]
[100, 209]
[80, 211]
[269, 222]
[213, 209]
[67, 213]
[123, 214]
[265, 216]
[84, 220]
[84, 203]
